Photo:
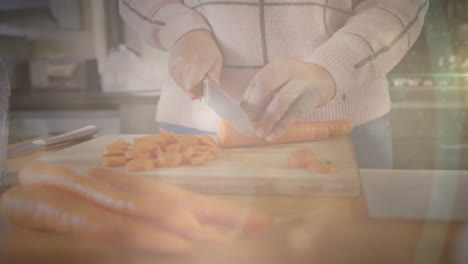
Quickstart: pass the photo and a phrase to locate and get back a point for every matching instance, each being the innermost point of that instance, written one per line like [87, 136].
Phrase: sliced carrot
[187, 154]
[169, 159]
[200, 153]
[137, 139]
[174, 147]
[301, 158]
[133, 154]
[341, 127]
[298, 132]
[113, 161]
[188, 140]
[170, 216]
[207, 140]
[50, 209]
[208, 209]
[144, 146]
[170, 137]
[211, 149]
[198, 160]
[139, 165]
[323, 167]
[156, 151]
[117, 148]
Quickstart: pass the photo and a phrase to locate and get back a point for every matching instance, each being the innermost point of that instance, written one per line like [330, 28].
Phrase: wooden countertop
[333, 230]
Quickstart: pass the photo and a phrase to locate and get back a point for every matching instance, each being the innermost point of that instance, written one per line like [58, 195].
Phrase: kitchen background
[74, 63]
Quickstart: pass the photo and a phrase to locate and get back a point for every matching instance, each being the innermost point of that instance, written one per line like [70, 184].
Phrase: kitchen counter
[332, 230]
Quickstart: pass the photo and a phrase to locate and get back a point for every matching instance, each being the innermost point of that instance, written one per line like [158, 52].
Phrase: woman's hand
[282, 91]
[194, 56]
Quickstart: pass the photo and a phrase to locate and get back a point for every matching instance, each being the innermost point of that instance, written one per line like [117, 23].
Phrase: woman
[283, 60]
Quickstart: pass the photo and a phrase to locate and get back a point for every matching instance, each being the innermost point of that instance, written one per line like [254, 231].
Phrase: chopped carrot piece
[155, 138]
[169, 159]
[117, 148]
[323, 167]
[207, 140]
[198, 160]
[139, 165]
[143, 146]
[113, 161]
[188, 140]
[134, 154]
[188, 153]
[301, 158]
[175, 147]
[156, 151]
[207, 149]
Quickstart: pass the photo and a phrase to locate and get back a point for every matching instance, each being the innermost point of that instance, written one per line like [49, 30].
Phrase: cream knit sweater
[357, 41]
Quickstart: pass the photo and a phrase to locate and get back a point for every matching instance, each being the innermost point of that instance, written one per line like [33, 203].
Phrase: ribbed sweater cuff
[338, 57]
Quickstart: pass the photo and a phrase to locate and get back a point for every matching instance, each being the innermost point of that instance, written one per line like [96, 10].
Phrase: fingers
[193, 79]
[281, 126]
[192, 57]
[262, 89]
[280, 104]
[215, 72]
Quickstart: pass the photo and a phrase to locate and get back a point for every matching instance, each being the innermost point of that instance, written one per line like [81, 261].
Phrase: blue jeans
[372, 142]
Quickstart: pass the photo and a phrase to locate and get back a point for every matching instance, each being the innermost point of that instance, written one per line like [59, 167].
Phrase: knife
[80, 133]
[226, 108]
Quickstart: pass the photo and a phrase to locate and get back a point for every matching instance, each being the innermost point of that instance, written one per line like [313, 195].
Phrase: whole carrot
[208, 209]
[298, 132]
[340, 127]
[170, 216]
[50, 209]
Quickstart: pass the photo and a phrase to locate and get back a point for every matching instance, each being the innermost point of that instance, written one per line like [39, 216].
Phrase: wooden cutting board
[252, 170]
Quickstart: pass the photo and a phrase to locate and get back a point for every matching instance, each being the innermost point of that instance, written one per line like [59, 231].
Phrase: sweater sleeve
[160, 23]
[371, 43]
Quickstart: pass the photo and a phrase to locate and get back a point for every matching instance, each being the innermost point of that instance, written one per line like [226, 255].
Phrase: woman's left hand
[282, 91]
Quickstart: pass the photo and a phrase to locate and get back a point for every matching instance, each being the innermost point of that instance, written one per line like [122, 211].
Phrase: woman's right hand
[194, 56]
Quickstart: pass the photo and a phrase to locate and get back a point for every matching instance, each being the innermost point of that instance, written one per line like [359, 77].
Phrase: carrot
[207, 140]
[174, 147]
[210, 149]
[117, 148]
[187, 154]
[339, 128]
[144, 146]
[169, 159]
[140, 165]
[169, 216]
[188, 140]
[133, 154]
[323, 167]
[113, 161]
[169, 136]
[208, 209]
[298, 132]
[156, 151]
[301, 158]
[198, 160]
[54, 210]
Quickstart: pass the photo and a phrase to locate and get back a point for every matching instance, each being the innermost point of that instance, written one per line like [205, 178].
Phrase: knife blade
[226, 108]
[83, 132]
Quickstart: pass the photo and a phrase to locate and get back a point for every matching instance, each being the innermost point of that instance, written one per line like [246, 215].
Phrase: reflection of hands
[282, 91]
[194, 56]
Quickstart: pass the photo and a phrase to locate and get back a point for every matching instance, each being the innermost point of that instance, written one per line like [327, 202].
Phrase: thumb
[215, 72]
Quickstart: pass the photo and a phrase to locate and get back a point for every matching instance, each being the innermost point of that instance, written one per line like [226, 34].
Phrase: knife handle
[83, 132]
